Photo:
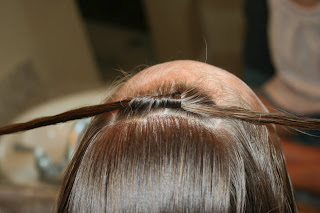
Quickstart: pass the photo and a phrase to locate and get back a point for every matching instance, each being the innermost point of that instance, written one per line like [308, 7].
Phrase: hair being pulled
[175, 151]
[173, 100]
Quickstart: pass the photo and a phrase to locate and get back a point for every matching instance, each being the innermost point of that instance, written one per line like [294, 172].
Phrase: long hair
[176, 151]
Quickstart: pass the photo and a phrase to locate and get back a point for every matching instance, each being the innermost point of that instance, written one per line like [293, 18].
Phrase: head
[174, 148]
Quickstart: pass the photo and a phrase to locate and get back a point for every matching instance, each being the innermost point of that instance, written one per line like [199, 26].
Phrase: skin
[225, 89]
[224, 86]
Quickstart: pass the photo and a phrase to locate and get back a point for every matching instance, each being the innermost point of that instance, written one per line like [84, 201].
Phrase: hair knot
[148, 103]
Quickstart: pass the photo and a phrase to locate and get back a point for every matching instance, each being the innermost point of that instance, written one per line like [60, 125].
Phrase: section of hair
[155, 156]
[190, 99]
[83, 112]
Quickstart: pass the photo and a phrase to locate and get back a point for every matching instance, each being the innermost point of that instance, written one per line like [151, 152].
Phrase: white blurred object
[17, 151]
[294, 33]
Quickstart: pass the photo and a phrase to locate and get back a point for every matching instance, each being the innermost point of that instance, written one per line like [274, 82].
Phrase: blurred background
[62, 54]
[49, 49]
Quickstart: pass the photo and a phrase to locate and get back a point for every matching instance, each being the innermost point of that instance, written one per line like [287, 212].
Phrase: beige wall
[182, 29]
[51, 35]
[15, 45]
[175, 28]
[44, 53]
[223, 26]
[61, 47]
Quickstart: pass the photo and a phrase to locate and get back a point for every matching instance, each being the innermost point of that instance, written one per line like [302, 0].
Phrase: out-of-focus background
[50, 49]
[62, 54]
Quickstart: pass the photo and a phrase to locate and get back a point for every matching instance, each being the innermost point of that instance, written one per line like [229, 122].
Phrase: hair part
[190, 98]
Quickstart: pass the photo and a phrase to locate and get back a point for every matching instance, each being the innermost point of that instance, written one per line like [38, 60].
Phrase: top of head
[165, 152]
[223, 87]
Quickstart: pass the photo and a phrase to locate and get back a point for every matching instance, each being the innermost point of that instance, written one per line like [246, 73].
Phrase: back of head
[165, 152]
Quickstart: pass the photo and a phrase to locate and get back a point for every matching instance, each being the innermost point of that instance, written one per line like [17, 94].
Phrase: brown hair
[176, 151]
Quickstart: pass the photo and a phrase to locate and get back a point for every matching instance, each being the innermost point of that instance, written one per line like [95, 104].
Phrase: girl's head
[222, 87]
[185, 137]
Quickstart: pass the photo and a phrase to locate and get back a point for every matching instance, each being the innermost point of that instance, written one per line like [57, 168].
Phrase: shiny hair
[175, 150]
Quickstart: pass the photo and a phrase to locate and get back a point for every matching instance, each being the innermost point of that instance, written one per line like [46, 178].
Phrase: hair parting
[173, 100]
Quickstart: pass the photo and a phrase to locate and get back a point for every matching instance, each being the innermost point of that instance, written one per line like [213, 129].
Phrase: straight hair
[176, 151]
